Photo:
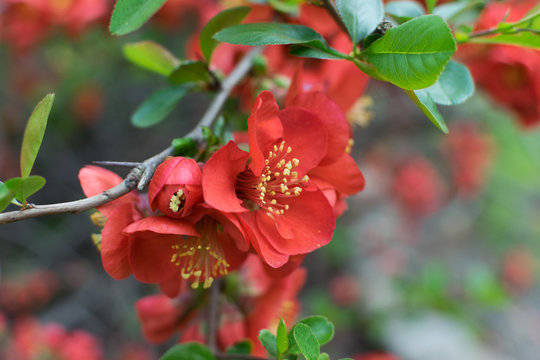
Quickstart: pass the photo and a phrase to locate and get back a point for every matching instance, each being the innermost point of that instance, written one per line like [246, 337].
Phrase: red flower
[176, 187]
[283, 212]
[164, 250]
[118, 213]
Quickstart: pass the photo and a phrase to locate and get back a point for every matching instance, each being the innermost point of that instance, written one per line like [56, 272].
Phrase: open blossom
[283, 212]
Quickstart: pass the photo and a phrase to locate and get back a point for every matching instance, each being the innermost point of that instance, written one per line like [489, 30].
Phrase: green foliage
[33, 134]
[451, 11]
[184, 147]
[306, 341]
[6, 195]
[260, 34]
[404, 10]
[482, 286]
[424, 101]
[281, 337]
[129, 15]
[151, 56]
[412, 55]
[195, 72]
[323, 356]
[321, 327]
[156, 108]
[24, 187]
[188, 351]
[454, 86]
[219, 22]
[430, 4]
[360, 17]
[240, 348]
[303, 51]
[268, 340]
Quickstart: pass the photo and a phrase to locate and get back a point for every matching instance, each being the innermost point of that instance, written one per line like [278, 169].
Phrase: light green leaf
[260, 34]
[413, 55]
[219, 22]
[6, 195]
[404, 10]
[454, 86]
[190, 72]
[188, 351]
[451, 10]
[360, 17]
[129, 15]
[281, 337]
[306, 341]
[323, 356]
[430, 4]
[286, 6]
[427, 105]
[303, 51]
[525, 39]
[156, 108]
[25, 187]
[268, 340]
[151, 56]
[33, 134]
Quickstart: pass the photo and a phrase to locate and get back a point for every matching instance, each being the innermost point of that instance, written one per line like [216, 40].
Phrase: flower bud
[176, 187]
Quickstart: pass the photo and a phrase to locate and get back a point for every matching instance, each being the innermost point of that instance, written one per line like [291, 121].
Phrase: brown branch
[213, 315]
[141, 175]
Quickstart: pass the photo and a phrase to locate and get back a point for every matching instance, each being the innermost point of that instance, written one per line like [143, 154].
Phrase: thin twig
[141, 175]
[332, 10]
[126, 164]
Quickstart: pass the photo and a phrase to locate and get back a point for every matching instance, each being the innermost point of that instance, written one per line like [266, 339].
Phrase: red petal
[114, 244]
[150, 257]
[294, 262]
[334, 121]
[162, 225]
[306, 135]
[343, 174]
[173, 286]
[219, 178]
[310, 219]
[264, 129]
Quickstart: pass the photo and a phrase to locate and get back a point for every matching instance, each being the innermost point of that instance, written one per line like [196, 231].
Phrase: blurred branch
[141, 175]
[213, 315]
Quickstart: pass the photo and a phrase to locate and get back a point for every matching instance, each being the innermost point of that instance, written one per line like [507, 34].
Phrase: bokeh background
[436, 259]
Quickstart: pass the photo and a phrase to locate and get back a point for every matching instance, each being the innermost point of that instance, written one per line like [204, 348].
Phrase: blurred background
[436, 259]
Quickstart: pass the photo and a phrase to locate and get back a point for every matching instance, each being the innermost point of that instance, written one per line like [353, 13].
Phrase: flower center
[201, 260]
[177, 201]
[277, 182]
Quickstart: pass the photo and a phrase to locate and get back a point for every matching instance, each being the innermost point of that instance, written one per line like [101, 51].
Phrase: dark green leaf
[413, 55]
[281, 337]
[430, 4]
[25, 187]
[156, 108]
[361, 17]
[33, 134]
[268, 340]
[188, 351]
[184, 147]
[303, 51]
[323, 356]
[129, 15]
[454, 86]
[404, 10]
[306, 341]
[321, 327]
[427, 105]
[268, 34]
[151, 56]
[243, 347]
[222, 20]
[6, 195]
[190, 72]
[286, 6]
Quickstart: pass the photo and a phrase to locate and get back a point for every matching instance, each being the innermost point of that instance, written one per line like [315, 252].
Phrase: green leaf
[321, 327]
[303, 51]
[151, 56]
[156, 108]
[243, 347]
[412, 55]
[188, 351]
[430, 4]
[525, 39]
[286, 6]
[190, 72]
[451, 10]
[129, 15]
[306, 341]
[323, 356]
[360, 17]
[268, 340]
[184, 147]
[6, 195]
[454, 86]
[25, 187]
[219, 22]
[281, 337]
[33, 134]
[427, 105]
[404, 10]
[274, 34]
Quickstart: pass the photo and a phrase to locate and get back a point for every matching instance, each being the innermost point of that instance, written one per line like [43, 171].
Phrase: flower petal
[343, 174]
[219, 178]
[150, 256]
[162, 225]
